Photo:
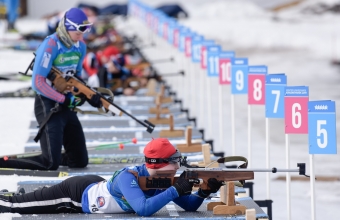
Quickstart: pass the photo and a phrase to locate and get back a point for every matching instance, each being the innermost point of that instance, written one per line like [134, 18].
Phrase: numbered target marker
[322, 127]
[204, 59]
[256, 84]
[224, 65]
[239, 75]
[296, 109]
[182, 35]
[212, 60]
[176, 37]
[187, 46]
[171, 28]
[275, 85]
[196, 43]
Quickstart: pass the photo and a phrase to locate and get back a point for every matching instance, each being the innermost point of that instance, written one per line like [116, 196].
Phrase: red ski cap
[156, 149]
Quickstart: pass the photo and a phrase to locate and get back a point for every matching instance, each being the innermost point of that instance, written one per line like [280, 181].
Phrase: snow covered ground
[300, 45]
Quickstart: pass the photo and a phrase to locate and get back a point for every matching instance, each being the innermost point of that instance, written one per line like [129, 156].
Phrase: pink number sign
[296, 115]
[256, 89]
[203, 57]
[187, 46]
[165, 30]
[176, 38]
[224, 71]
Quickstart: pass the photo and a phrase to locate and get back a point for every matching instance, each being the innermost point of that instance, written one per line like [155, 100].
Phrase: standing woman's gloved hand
[95, 101]
[183, 186]
[72, 101]
[214, 186]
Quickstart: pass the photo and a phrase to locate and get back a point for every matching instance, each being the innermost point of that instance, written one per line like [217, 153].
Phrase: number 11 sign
[322, 127]
[296, 109]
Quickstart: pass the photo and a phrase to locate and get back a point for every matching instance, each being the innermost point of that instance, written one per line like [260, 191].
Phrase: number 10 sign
[296, 109]
[322, 127]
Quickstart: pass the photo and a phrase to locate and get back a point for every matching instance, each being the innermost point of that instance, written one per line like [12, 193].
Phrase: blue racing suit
[123, 190]
[63, 128]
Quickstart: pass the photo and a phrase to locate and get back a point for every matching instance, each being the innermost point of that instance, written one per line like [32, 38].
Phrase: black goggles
[175, 158]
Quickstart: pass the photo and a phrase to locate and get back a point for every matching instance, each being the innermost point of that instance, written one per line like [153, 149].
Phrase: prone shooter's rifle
[165, 179]
[77, 87]
[200, 176]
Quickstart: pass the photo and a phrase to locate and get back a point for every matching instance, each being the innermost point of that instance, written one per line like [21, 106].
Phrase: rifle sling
[56, 109]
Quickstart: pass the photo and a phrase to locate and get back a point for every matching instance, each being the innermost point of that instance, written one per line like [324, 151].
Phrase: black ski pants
[62, 129]
[64, 197]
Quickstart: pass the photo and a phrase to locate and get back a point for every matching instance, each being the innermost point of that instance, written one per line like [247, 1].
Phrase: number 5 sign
[322, 127]
[296, 109]
[256, 85]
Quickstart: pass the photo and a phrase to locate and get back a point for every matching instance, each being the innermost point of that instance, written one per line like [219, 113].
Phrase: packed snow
[298, 44]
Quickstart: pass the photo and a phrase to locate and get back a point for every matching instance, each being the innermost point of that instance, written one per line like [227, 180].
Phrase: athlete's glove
[95, 101]
[72, 101]
[214, 186]
[183, 186]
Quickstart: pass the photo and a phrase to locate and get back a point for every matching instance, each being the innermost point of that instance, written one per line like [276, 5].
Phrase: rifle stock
[165, 179]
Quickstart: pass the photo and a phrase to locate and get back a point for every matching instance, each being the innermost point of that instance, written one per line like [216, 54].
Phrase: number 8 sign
[256, 85]
[296, 109]
[322, 127]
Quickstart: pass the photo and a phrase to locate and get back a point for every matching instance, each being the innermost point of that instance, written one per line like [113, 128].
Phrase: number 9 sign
[296, 109]
[322, 127]
[256, 85]
[239, 76]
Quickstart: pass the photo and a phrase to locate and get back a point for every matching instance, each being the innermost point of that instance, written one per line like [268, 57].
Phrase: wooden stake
[158, 108]
[171, 132]
[206, 158]
[151, 87]
[250, 214]
[158, 120]
[164, 99]
[188, 146]
[227, 206]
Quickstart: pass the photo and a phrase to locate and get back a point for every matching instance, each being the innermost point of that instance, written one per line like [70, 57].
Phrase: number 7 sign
[322, 127]
[275, 84]
[296, 109]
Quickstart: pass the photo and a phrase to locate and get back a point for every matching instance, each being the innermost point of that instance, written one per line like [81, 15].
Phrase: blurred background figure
[11, 13]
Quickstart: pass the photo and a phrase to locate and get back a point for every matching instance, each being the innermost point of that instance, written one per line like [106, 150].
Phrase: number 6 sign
[322, 127]
[256, 85]
[296, 109]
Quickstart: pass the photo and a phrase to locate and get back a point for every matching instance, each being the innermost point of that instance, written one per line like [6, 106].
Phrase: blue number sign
[212, 60]
[275, 86]
[196, 43]
[322, 127]
[239, 75]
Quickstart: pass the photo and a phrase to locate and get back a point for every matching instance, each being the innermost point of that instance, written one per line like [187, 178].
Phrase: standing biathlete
[58, 124]
[120, 194]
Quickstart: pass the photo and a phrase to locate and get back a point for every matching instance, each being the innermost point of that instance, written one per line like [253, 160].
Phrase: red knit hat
[110, 51]
[158, 148]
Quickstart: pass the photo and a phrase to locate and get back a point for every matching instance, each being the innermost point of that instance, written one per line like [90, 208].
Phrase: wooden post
[171, 132]
[250, 214]
[151, 87]
[164, 99]
[206, 158]
[188, 146]
[227, 205]
[159, 120]
[154, 110]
